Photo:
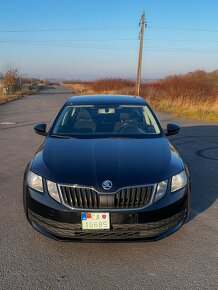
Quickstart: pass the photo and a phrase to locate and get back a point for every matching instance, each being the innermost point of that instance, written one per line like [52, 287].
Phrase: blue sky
[94, 39]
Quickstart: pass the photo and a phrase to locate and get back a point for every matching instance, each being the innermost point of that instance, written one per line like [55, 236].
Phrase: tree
[11, 80]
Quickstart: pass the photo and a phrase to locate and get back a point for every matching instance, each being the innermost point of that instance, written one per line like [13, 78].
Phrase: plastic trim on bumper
[146, 231]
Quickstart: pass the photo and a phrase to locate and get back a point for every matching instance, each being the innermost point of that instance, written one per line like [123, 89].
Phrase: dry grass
[17, 95]
[109, 85]
[194, 95]
[207, 110]
[103, 86]
[80, 88]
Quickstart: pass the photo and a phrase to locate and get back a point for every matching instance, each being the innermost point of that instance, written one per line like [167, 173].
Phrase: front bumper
[65, 231]
[153, 223]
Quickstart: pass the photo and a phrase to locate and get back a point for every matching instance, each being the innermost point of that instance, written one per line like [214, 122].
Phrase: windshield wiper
[61, 136]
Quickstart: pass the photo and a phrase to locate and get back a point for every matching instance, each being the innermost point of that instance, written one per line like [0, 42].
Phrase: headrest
[124, 116]
[84, 114]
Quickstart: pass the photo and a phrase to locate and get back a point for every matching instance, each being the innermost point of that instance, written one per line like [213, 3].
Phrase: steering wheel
[127, 124]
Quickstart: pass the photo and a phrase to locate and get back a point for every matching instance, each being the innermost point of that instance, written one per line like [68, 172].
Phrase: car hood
[124, 161]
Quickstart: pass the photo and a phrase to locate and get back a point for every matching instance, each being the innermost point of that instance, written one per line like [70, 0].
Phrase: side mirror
[172, 129]
[40, 129]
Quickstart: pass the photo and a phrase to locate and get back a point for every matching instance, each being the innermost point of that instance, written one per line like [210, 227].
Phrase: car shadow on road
[198, 146]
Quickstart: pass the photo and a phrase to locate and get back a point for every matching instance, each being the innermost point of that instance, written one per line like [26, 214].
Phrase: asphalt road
[187, 259]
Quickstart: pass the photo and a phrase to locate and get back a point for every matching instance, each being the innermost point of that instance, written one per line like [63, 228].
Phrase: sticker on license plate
[95, 220]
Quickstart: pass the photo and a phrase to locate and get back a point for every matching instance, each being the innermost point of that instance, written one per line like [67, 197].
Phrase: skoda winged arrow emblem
[107, 184]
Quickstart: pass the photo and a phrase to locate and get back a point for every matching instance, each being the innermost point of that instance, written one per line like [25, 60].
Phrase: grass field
[194, 95]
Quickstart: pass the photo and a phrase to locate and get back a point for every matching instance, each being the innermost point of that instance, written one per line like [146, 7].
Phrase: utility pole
[142, 24]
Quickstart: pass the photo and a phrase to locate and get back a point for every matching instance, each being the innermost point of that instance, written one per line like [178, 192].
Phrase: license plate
[95, 220]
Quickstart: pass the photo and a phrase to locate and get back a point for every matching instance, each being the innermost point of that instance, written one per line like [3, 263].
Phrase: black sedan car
[106, 170]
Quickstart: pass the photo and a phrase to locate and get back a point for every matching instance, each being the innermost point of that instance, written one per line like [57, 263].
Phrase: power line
[120, 47]
[105, 28]
[182, 40]
[104, 40]
[66, 29]
[182, 28]
[62, 40]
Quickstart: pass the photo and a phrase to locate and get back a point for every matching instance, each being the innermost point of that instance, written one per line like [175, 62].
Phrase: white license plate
[95, 220]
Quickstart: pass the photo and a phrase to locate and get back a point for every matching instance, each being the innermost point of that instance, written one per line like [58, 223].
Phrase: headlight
[161, 190]
[35, 181]
[178, 181]
[53, 190]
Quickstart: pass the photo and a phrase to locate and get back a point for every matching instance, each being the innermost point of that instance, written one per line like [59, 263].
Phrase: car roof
[105, 100]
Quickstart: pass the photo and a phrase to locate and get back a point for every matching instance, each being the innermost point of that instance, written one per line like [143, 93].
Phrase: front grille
[79, 197]
[133, 197]
[88, 198]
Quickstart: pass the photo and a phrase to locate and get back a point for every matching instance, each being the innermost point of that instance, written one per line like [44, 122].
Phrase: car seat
[84, 122]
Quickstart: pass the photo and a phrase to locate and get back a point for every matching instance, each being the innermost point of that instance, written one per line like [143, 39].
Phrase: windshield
[109, 120]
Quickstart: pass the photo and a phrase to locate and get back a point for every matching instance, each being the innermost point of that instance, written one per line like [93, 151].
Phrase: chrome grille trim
[79, 202]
